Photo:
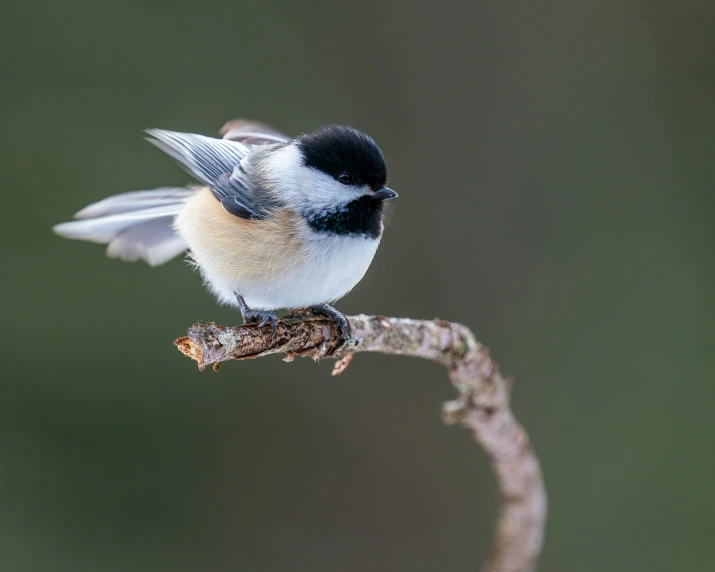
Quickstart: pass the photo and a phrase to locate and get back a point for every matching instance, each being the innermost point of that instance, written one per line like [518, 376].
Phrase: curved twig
[482, 404]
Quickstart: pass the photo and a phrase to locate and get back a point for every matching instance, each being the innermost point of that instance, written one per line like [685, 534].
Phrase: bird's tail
[135, 225]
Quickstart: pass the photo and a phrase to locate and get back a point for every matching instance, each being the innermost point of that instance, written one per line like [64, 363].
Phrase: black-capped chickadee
[279, 223]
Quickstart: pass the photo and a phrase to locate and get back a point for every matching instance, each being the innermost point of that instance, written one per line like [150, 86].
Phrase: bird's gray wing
[220, 164]
[251, 132]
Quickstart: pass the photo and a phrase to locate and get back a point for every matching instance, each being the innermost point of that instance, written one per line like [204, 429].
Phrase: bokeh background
[555, 168]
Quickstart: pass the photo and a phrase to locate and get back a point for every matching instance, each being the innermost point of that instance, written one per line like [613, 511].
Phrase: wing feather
[251, 132]
[220, 164]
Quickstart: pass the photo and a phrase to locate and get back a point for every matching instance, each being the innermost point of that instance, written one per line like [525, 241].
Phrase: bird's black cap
[337, 149]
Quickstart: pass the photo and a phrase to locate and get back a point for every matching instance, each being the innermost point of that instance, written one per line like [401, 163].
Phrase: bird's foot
[257, 316]
[336, 317]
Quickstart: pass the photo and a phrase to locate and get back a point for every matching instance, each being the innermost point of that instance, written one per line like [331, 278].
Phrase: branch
[482, 404]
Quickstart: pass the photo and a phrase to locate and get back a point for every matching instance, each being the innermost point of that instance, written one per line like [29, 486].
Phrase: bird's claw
[257, 316]
[343, 326]
[340, 321]
[261, 318]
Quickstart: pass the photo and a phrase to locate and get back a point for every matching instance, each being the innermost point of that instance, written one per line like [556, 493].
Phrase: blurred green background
[555, 168]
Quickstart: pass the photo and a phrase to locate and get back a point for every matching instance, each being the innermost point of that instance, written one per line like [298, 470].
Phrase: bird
[272, 222]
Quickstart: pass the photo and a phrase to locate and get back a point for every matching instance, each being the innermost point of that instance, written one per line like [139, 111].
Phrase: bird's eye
[345, 178]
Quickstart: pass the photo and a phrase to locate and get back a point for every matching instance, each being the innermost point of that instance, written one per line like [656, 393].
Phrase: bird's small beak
[385, 194]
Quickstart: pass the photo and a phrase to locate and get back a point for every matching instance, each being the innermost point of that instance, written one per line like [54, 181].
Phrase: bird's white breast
[335, 265]
[331, 268]
[274, 264]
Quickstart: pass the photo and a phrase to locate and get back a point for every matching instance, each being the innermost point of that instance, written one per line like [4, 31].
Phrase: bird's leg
[335, 316]
[253, 316]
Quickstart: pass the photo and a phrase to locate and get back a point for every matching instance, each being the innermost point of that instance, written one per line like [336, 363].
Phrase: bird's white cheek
[323, 193]
[303, 188]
